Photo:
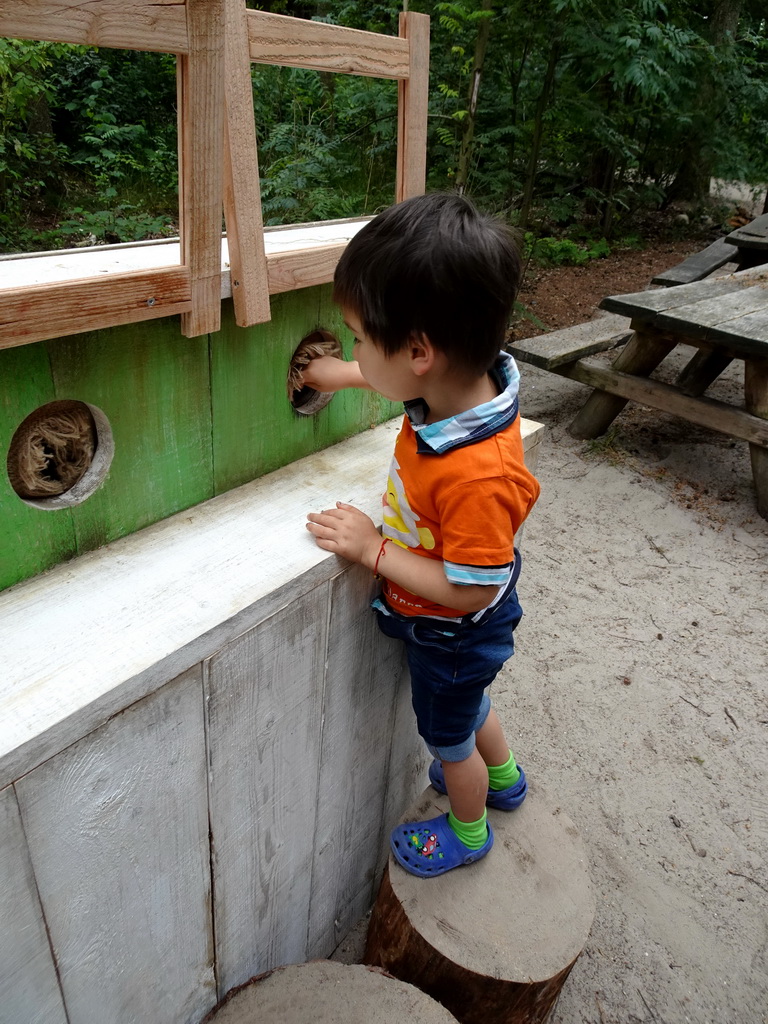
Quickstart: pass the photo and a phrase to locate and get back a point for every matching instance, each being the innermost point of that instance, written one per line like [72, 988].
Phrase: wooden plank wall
[191, 418]
[284, 751]
[231, 819]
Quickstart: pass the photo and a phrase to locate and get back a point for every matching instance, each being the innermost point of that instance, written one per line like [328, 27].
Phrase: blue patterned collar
[473, 425]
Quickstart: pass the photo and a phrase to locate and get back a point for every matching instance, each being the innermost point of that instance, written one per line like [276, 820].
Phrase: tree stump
[325, 992]
[493, 941]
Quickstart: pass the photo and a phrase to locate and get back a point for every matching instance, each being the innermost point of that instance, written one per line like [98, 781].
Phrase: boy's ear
[422, 352]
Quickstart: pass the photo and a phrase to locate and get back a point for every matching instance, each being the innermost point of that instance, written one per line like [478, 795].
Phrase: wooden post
[703, 369]
[640, 356]
[201, 149]
[327, 993]
[495, 941]
[242, 195]
[756, 402]
[412, 106]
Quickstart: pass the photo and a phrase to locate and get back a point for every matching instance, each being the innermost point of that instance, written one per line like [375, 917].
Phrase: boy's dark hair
[433, 264]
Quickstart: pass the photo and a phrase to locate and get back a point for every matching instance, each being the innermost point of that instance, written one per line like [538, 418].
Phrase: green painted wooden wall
[191, 418]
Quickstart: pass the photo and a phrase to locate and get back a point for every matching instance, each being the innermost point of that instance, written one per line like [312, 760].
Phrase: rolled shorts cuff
[461, 751]
[458, 752]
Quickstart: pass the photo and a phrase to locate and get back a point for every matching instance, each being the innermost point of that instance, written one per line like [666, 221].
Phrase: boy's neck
[448, 395]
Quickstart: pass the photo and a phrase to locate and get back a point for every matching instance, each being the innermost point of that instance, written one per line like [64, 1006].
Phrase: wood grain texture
[290, 271]
[363, 674]
[660, 300]
[117, 827]
[698, 266]
[549, 351]
[54, 310]
[154, 389]
[29, 989]
[505, 961]
[30, 540]
[264, 696]
[201, 162]
[756, 402]
[296, 42]
[158, 25]
[326, 992]
[640, 356]
[255, 428]
[412, 108]
[706, 412]
[242, 195]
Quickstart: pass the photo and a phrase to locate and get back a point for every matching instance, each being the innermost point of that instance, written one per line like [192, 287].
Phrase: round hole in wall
[60, 454]
[306, 400]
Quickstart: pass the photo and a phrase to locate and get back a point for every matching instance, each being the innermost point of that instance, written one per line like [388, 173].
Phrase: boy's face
[391, 375]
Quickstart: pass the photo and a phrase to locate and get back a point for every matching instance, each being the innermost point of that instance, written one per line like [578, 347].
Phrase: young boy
[426, 288]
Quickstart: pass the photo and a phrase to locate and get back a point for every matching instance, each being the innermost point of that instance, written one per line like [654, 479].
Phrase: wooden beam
[298, 43]
[201, 177]
[158, 25]
[705, 412]
[50, 311]
[303, 268]
[412, 108]
[242, 195]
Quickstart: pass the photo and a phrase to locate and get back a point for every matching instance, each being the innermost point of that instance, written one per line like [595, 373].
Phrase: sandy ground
[638, 696]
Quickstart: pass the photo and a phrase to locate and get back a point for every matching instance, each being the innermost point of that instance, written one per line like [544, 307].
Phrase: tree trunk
[323, 990]
[538, 135]
[695, 171]
[468, 126]
[531, 912]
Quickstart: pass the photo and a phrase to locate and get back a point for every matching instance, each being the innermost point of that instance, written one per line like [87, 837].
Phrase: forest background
[577, 120]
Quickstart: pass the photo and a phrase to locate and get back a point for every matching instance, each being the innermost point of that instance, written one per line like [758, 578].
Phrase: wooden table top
[728, 313]
[751, 236]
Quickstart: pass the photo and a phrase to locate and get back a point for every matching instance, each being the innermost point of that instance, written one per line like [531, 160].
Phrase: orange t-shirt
[462, 507]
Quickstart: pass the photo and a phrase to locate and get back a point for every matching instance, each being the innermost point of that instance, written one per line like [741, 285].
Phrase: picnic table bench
[724, 318]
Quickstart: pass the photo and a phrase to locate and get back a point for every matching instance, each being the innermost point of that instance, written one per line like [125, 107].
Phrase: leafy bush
[559, 252]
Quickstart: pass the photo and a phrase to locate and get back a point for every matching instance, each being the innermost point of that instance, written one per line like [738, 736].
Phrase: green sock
[502, 776]
[473, 834]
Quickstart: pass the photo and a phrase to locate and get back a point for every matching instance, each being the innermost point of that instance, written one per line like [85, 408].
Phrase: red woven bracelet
[376, 575]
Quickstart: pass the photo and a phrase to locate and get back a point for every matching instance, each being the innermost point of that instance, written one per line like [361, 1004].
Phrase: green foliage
[558, 252]
[644, 101]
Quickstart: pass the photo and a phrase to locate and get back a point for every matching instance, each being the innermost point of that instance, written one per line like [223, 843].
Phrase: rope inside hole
[52, 449]
[306, 400]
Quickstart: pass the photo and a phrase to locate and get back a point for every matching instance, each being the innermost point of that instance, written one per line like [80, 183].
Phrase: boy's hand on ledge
[328, 374]
[346, 531]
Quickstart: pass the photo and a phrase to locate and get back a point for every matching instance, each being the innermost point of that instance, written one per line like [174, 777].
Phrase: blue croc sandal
[429, 848]
[508, 799]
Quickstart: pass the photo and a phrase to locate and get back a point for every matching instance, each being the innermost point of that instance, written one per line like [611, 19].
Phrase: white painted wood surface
[117, 827]
[363, 674]
[265, 719]
[29, 991]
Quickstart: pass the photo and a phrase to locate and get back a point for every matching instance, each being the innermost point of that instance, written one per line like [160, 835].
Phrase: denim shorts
[451, 665]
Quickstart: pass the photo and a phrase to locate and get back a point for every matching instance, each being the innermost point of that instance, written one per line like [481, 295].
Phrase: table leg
[704, 368]
[641, 355]
[756, 402]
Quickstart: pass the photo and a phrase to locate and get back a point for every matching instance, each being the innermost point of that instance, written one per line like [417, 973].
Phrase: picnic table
[724, 318]
[751, 241]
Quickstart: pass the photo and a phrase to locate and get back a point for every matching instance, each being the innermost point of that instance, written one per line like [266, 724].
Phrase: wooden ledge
[298, 256]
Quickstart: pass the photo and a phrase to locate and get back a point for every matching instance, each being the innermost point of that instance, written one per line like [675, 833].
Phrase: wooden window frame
[193, 30]
[261, 38]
